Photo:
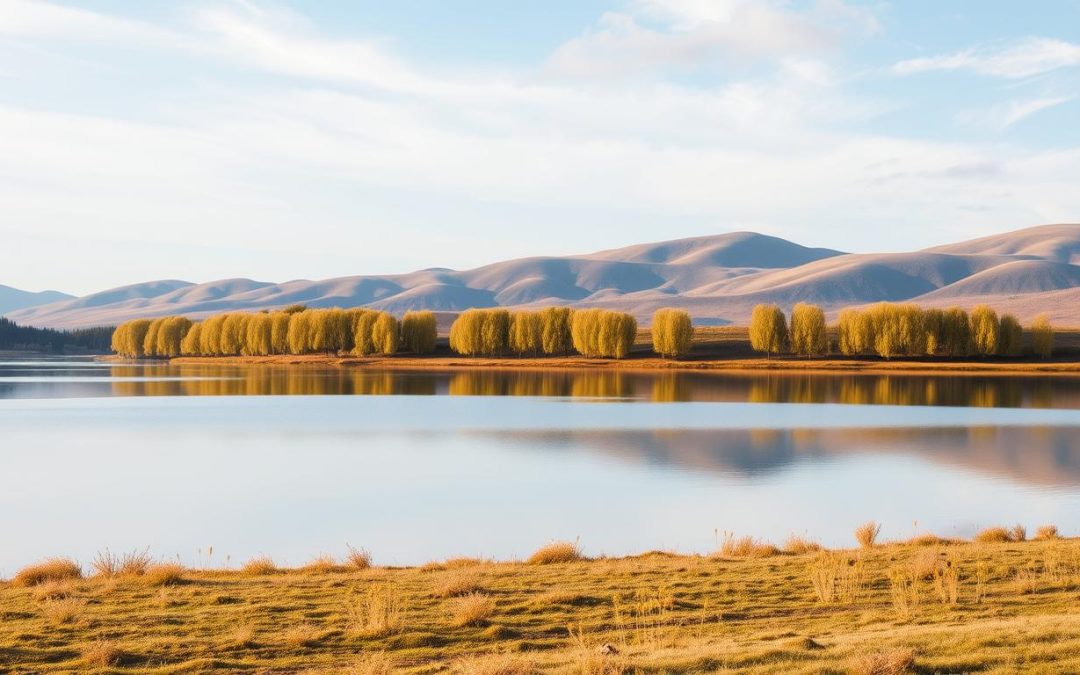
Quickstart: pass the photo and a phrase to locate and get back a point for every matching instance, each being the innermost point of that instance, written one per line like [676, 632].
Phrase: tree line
[30, 339]
[293, 330]
[886, 329]
[891, 329]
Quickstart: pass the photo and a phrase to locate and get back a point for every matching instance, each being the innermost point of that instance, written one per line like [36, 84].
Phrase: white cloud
[1003, 115]
[696, 32]
[1032, 56]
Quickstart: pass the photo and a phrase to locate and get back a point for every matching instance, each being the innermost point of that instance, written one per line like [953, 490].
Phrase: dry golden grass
[928, 539]
[164, 574]
[109, 564]
[745, 547]
[496, 664]
[993, 535]
[990, 608]
[1047, 532]
[377, 611]
[473, 609]
[301, 635]
[52, 569]
[261, 565]
[63, 610]
[867, 534]
[457, 582]
[556, 552]
[357, 559]
[895, 661]
[796, 545]
[102, 654]
[323, 564]
[54, 590]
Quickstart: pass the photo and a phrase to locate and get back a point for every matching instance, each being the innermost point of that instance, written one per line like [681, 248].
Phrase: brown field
[715, 348]
[925, 606]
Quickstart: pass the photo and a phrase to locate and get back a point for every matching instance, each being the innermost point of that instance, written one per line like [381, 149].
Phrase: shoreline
[780, 365]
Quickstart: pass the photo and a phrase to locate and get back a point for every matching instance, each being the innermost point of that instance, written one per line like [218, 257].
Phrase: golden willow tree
[985, 330]
[672, 332]
[1010, 336]
[602, 333]
[808, 330]
[768, 329]
[419, 332]
[526, 332]
[191, 344]
[1042, 337]
[555, 337]
[481, 332]
[129, 338]
[855, 332]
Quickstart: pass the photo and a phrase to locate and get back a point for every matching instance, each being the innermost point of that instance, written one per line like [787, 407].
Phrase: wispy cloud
[1032, 56]
[1003, 115]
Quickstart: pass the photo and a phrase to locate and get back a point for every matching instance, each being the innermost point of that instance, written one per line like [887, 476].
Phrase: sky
[239, 138]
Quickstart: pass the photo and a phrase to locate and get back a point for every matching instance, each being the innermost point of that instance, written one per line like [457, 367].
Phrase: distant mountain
[719, 278]
[12, 299]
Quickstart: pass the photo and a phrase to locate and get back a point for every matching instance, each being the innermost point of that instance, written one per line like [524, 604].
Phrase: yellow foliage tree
[526, 335]
[385, 333]
[191, 345]
[555, 338]
[279, 332]
[603, 333]
[1042, 337]
[1010, 336]
[672, 332]
[856, 332]
[363, 345]
[257, 340]
[419, 331]
[956, 333]
[808, 330]
[985, 330]
[768, 329]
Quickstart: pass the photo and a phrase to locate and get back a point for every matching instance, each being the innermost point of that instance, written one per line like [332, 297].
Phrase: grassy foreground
[926, 607]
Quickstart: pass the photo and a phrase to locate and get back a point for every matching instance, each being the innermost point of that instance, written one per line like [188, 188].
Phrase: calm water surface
[292, 462]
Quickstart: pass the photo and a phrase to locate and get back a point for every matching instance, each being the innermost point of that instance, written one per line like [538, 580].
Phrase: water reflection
[27, 380]
[1037, 456]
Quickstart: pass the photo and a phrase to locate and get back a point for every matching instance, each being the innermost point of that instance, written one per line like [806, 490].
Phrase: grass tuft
[322, 564]
[357, 559]
[473, 609]
[164, 574]
[796, 545]
[746, 547]
[259, 566]
[63, 610]
[896, 661]
[1047, 533]
[496, 664]
[52, 569]
[108, 564]
[867, 534]
[456, 583]
[102, 654]
[556, 552]
[993, 535]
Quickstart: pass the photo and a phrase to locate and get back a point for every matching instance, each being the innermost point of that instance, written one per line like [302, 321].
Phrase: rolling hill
[12, 299]
[719, 278]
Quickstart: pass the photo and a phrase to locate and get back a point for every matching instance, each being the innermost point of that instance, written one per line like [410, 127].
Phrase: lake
[215, 464]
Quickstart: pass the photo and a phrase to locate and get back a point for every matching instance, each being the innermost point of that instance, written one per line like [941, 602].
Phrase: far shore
[785, 364]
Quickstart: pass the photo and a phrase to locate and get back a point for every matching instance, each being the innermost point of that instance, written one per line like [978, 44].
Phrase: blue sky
[224, 138]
